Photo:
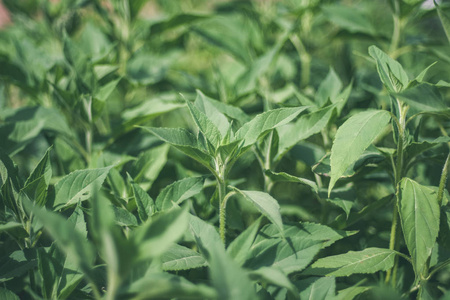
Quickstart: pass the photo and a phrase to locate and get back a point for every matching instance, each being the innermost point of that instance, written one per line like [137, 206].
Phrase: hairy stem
[221, 187]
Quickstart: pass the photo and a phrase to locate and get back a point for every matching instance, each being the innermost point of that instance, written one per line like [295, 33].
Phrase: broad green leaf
[6, 294]
[239, 247]
[159, 232]
[123, 217]
[352, 138]
[351, 292]
[329, 88]
[292, 254]
[146, 68]
[266, 204]
[230, 281]
[423, 98]
[178, 192]
[251, 131]
[205, 125]
[146, 168]
[105, 91]
[164, 285]
[78, 186]
[390, 71]
[419, 215]
[274, 276]
[303, 128]
[282, 176]
[415, 148]
[369, 260]
[349, 18]
[445, 19]
[184, 141]
[345, 205]
[178, 258]
[317, 288]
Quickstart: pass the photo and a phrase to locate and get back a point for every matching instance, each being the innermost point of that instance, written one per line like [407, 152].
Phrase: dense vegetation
[225, 149]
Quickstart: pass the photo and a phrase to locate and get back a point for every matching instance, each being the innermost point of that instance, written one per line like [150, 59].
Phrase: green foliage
[224, 149]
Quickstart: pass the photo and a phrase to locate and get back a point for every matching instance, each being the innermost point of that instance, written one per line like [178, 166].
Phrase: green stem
[221, 186]
[398, 171]
[305, 60]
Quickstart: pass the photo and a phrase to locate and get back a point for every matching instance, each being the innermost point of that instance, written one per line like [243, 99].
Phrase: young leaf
[184, 141]
[205, 125]
[251, 131]
[266, 204]
[390, 71]
[78, 186]
[352, 138]
[178, 258]
[39, 179]
[274, 276]
[178, 192]
[329, 88]
[303, 128]
[144, 203]
[369, 260]
[419, 215]
[215, 111]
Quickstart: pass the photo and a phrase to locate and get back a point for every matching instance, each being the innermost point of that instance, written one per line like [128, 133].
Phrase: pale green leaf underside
[179, 191]
[419, 214]
[266, 204]
[178, 258]
[369, 260]
[205, 125]
[352, 138]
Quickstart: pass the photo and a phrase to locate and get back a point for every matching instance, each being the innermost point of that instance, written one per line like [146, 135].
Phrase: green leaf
[178, 258]
[157, 27]
[163, 285]
[184, 141]
[178, 192]
[303, 128]
[445, 19]
[274, 276]
[230, 281]
[419, 215]
[317, 288]
[205, 125]
[159, 232]
[70, 239]
[17, 263]
[282, 176]
[78, 186]
[352, 138]
[144, 203]
[6, 294]
[239, 247]
[146, 168]
[415, 148]
[423, 98]
[329, 88]
[369, 260]
[37, 183]
[210, 107]
[105, 91]
[349, 18]
[123, 217]
[251, 131]
[390, 71]
[266, 204]
[345, 205]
